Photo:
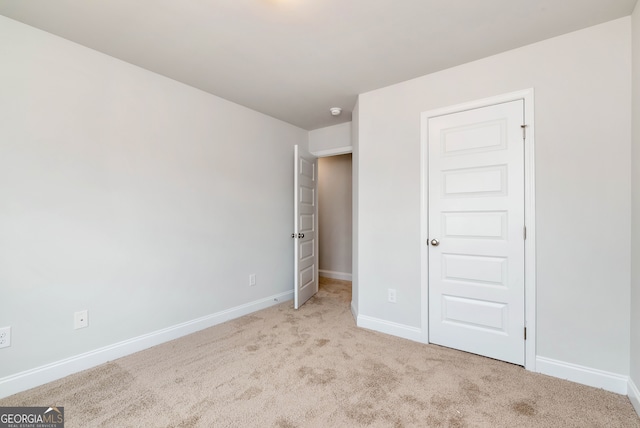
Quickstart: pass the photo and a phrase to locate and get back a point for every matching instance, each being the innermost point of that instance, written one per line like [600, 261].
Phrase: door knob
[300, 235]
[435, 242]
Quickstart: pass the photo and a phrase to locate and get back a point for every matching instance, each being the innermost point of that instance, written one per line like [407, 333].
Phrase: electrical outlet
[81, 319]
[5, 337]
[391, 295]
[252, 279]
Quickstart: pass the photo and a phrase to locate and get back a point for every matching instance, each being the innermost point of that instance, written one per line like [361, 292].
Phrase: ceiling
[294, 59]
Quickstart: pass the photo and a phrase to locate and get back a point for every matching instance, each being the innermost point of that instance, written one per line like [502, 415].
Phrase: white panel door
[476, 231]
[305, 203]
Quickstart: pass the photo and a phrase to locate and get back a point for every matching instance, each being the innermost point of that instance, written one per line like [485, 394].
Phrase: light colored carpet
[315, 368]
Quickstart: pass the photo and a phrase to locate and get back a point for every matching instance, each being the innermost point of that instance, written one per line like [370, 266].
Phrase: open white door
[476, 231]
[305, 208]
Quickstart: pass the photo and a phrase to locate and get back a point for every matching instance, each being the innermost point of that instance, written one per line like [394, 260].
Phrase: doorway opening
[329, 263]
[335, 217]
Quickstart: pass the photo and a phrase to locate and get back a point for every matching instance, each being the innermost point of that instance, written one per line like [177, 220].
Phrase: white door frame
[529, 213]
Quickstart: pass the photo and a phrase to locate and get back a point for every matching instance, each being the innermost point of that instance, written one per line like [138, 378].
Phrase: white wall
[582, 85]
[332, 140]
[355, 174]
[334, 216]
[131, 195]
[635, 252]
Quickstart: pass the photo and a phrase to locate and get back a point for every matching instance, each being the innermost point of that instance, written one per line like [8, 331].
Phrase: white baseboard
[354, 312]
[634, 396]
[335, 275]
[40, 375]
[388, 327]
[585, 375]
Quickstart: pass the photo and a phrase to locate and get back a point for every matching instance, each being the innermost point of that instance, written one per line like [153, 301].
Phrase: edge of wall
[388, 327]
[335, 275]
[333, 152]
[584, 375]
[634, 396]
[44, 374]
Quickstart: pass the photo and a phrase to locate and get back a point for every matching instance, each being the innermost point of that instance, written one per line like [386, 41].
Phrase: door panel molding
[527, 96]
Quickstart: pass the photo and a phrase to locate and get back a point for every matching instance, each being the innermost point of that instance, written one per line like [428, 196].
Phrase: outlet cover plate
[5, 337]
[81, 319]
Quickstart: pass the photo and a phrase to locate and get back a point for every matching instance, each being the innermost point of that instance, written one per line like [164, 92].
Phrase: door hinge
[524, 131]
[525, 333]
[524, 232]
